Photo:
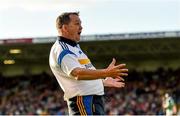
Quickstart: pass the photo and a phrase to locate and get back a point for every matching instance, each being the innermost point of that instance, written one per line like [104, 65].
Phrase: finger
[123, 74]
[118, 78]
[122, 84]
[120, 66]
[119, 84]
[113, 62]
[125, 70]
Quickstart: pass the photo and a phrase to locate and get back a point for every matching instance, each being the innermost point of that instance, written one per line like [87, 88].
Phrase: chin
[78, 39]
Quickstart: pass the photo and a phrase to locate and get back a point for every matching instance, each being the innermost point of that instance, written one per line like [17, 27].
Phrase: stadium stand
[141, 96]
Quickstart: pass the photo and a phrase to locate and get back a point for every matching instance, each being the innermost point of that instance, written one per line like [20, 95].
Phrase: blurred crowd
[41, 94]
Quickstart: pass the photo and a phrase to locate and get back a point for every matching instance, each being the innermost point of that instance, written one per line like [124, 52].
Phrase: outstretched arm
[111, 71]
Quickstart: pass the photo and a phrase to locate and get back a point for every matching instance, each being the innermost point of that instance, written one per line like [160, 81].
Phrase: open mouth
[79, 33]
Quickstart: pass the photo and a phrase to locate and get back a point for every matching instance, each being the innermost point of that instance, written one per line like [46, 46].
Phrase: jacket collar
[66, 40]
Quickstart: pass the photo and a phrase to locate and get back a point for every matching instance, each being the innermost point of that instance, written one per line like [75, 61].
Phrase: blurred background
[143, 34]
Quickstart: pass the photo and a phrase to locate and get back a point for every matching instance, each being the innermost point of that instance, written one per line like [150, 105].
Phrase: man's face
[74, 28]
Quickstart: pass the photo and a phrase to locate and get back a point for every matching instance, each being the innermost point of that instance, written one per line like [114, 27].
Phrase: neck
[68, 41]
[68, 37]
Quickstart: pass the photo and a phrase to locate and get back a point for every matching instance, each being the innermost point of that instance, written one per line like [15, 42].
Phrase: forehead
[74, 17]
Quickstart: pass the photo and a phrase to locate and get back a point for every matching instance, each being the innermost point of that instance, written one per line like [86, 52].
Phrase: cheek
[74, 30]
[71, 29]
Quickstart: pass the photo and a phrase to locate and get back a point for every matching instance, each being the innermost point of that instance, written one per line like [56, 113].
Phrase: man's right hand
[116, 70]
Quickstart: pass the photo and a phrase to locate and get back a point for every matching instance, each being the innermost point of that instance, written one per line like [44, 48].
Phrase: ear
[64, 28]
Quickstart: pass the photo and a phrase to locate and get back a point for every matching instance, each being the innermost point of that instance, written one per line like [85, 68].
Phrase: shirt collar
[66, 40]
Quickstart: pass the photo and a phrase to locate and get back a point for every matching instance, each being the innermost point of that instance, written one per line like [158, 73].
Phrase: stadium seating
[40, 94]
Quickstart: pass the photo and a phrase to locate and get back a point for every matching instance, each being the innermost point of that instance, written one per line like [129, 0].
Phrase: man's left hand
[114, 82]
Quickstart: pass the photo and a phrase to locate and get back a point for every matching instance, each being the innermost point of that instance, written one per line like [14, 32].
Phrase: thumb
[113, 62]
